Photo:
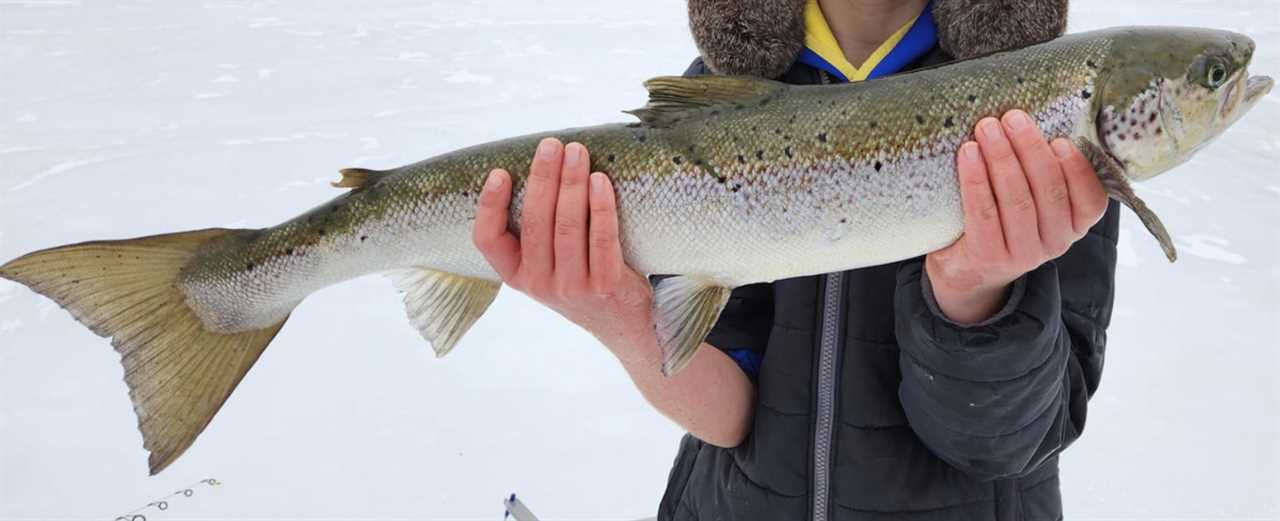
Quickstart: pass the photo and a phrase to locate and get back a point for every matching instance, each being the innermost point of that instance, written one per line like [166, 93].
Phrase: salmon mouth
[1257, 87]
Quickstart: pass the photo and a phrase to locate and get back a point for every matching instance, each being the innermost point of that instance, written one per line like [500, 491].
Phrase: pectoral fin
[685, 309]
[443, 306]
[1117, 186]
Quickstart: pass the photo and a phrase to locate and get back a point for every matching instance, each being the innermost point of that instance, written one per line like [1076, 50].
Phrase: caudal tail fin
[179, 373]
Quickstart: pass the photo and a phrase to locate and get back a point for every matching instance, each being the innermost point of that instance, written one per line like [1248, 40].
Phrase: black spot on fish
[822, 137]
[787, 151]
[249, 267]
[879, 165]
[735, 187]
[844, 113]
[1090, 64]
[364, 238]
[1137, 137]
[697, 162]
[288, 251]
[871, 124]
[949, 122]
[1121, 137]
[1152, 119]
[919, 119]
[1085, 94]
[741, 159]
[321, 232]
[1021, 81]
[973, 98]
[677, 160]
[765, 101]
[721, 179]
[844, 220]
[642, 138]
[1159, 131]
[611, 158]
[715, 112]
[738, 106]
[777, 131]
[760, 155]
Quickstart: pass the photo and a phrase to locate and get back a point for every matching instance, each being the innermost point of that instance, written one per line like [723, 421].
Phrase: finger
[537, 214]
[1088, 198]
[605, 249]
[982, 226]
[1044, 176]
[1013, 194]
[489, 233]
[571, 216]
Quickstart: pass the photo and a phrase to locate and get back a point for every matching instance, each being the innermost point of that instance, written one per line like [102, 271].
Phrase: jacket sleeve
[997, 399]
[697, 68]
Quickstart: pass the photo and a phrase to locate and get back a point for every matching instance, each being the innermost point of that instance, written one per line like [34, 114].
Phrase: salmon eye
[1217, 73]
[1209, 72]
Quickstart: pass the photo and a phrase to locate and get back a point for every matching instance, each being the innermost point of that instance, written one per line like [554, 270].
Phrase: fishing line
[162, 504]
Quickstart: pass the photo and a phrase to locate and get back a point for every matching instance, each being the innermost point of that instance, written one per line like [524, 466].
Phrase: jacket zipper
[828, 362]
[828, 358]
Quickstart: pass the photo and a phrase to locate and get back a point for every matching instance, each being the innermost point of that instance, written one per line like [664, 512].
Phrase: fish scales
[853, 176]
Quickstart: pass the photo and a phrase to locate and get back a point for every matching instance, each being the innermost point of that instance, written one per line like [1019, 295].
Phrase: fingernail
[1061, 147]
[988, 128]
[597, 182]
[970, 151]
[493, 182]
[572, 154]
[546, 148]
[1018, 120]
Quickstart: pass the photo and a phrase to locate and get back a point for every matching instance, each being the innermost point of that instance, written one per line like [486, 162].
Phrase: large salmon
[723, 182]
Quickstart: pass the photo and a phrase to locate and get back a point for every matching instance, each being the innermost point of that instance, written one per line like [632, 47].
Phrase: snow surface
[121, 119]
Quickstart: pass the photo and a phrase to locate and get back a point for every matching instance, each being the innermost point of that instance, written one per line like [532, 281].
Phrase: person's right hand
[567, 256]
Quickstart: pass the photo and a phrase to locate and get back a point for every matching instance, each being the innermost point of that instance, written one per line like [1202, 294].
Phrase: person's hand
[1025, 202]
[567, 256]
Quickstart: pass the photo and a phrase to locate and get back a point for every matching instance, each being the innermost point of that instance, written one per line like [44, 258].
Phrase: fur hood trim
[763, 37]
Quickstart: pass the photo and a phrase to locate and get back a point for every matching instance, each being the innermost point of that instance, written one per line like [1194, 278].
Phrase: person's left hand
[1025, 202]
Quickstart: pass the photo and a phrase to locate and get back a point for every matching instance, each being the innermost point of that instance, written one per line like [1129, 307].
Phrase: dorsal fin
[357, 178]
[671, 97]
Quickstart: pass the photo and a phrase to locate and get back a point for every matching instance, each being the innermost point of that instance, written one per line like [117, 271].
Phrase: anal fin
[685, 309]
[443, 306]
[1117, 186]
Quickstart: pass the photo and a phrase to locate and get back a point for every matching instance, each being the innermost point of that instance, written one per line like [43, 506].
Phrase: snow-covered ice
[127, 118]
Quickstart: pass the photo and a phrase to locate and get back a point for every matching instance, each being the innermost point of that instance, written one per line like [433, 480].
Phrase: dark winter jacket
[871, 405]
